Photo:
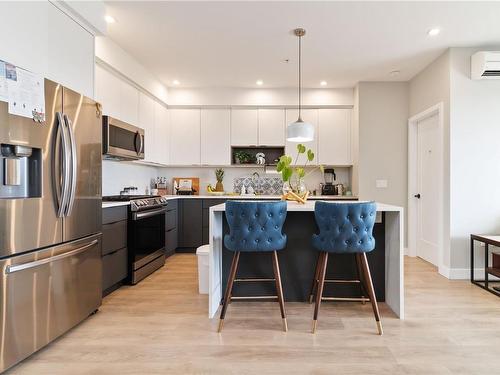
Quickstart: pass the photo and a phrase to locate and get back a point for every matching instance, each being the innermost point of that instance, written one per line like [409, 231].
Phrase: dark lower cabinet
[114, 270]
[207, 203]
[171, 224]
[190, 223]
[114, 248]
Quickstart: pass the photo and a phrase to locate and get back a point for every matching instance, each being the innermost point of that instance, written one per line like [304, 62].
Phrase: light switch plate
[381, 183]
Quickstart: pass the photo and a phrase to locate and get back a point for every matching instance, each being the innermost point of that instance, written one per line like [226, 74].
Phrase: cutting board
[195, 183]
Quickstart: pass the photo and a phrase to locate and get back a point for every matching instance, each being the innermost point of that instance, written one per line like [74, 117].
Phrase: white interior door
[428, 193]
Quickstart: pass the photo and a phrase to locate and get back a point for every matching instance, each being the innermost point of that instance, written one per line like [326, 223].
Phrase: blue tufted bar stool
[254, 227]
[344, 228]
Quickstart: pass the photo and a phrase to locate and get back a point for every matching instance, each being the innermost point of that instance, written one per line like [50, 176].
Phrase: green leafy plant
[243, 157]
[292, 174]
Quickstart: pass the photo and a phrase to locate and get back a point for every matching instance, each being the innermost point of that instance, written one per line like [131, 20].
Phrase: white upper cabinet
[215, 137]
[162, 135]
[271, 127]
[70, 52]
[147, 122]
[107, 92]
[334, 136]
[119, 99]
[244, 127]
[185, 136]
[308, 115]
[129, 103]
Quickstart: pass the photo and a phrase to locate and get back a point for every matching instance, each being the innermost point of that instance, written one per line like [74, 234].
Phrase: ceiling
[233, 44]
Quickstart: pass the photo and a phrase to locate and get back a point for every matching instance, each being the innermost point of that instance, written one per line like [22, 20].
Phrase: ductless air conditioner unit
[485, 65]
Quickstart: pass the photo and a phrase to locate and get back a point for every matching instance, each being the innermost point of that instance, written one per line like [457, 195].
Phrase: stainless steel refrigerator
[50, 221]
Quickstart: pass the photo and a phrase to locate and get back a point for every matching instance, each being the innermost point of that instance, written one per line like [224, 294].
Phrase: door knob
[417, 196]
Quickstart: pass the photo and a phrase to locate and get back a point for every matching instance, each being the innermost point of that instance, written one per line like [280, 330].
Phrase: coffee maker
[328, 188]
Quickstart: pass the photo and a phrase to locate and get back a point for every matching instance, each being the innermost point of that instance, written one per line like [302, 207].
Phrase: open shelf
[272, 155]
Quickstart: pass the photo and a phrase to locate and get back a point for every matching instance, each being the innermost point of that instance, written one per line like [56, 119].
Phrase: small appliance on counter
[186, 185]
[328, 188]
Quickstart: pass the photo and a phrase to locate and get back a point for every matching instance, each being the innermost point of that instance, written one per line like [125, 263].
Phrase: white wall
[471, 153]
[207, 175]
[475, 157]
[117, 174]
[262, 96]
[383, 117]
[40, 37]
[428, 88]
[111, 54]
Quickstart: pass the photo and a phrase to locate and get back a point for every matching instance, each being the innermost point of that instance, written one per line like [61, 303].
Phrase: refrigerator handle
[36, 263]
[74, 166]
[62, 133]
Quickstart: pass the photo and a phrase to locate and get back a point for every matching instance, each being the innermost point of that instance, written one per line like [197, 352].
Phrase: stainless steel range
[146, 234]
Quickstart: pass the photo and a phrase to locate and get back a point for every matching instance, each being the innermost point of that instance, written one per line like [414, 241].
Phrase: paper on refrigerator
[4, 96]
[26, 93]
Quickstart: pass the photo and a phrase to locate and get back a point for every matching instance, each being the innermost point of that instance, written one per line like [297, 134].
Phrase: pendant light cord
[300, 78]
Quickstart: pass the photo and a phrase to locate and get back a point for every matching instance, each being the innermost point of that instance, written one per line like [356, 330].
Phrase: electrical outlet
[381, 184]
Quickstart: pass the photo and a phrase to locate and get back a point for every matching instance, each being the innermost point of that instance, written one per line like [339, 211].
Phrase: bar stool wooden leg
[229, 288]
[319, 292]
[315, 280]
[279, 289]
[360, 276]
[371, 292]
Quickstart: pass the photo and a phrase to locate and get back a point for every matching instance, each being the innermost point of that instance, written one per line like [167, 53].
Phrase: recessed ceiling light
[109, 19]
[176, 82]
[323, 83]
[259, 82]
[434, 31]
[394, 73]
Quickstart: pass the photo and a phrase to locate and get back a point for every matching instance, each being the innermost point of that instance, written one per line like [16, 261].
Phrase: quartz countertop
[309, 206]
[231, 196]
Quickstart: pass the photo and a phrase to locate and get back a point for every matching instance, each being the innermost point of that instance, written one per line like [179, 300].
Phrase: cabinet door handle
[417, 196]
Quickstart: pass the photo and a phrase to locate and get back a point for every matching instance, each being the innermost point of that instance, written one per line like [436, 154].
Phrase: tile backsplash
[261, 185]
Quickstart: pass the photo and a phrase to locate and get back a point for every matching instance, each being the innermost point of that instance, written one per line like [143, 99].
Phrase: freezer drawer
[45, 293]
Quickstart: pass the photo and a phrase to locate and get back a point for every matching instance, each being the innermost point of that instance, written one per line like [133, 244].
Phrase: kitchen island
[297, 260]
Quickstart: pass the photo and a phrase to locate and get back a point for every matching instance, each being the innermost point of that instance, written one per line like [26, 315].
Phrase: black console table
[493, 240]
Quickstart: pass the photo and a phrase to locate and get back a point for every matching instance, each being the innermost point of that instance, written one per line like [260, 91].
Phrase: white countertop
[114, 204]
[309, 206]
[209, 196]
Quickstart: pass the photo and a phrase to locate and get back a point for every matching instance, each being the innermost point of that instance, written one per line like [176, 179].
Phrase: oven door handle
[145, 214]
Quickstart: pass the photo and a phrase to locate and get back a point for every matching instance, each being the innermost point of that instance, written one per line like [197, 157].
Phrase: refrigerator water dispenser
[21, 171]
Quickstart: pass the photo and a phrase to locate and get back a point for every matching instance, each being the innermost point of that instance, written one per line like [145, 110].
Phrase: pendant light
[300, 131]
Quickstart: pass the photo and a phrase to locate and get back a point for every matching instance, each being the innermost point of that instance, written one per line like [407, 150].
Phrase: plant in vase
[293, 176]
[219, 175]
[242, 157]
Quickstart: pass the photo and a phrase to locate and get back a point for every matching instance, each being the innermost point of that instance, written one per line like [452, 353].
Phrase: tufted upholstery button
[276, 227]
[270, 215]
[262, 229]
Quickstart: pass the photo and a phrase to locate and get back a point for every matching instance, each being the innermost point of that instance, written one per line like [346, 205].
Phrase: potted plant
[242, 157]
[219, 175]
[293, 176]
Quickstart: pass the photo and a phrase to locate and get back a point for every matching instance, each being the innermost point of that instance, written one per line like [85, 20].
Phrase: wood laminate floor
[160, 326]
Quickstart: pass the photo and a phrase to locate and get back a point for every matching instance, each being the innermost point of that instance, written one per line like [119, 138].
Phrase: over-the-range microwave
[121, 141]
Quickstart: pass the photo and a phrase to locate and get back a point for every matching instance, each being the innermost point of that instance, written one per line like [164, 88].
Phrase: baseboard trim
[464, 273]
